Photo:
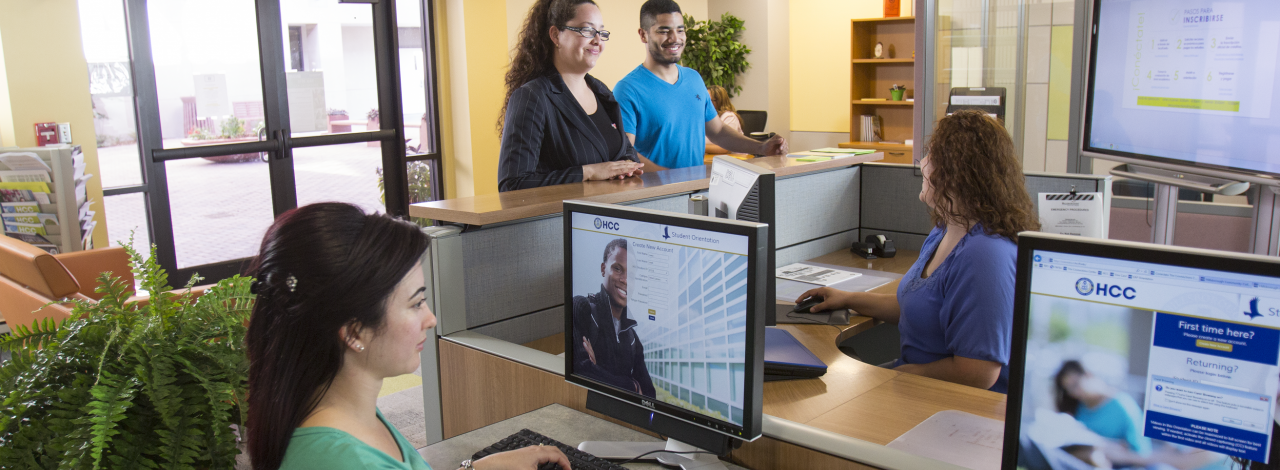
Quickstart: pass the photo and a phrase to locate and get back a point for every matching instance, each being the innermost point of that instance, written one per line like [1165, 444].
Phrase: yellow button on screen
[1213, 345]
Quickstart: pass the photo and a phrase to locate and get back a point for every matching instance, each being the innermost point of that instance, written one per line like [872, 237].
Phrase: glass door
[975, 43]
[246, 109]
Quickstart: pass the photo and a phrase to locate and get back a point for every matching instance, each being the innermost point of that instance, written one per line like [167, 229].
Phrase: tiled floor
[220, 210]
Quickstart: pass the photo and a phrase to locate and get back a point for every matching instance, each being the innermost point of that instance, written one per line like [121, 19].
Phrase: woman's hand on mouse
[832, 299]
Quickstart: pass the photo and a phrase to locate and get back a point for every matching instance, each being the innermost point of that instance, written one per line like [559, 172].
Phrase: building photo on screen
[660, 311]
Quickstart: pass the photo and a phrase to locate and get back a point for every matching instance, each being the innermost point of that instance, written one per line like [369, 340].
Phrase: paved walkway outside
[221, 210]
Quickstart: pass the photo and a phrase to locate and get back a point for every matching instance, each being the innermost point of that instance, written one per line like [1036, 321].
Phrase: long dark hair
[1063, 400]
[535, 53]
[321, 267]
[977, 176]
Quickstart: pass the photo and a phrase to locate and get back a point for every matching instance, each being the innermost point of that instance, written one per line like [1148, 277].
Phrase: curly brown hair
[977, 176]
[534, 50]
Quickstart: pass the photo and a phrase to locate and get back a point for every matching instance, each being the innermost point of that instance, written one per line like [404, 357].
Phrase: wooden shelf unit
[885, 103]
[893, 153]
[872, 78]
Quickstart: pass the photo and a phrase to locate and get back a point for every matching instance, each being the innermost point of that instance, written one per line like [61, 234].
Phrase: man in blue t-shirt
[666, 111]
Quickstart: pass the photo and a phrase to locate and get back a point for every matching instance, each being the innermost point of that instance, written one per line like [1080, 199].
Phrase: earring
[359, 347]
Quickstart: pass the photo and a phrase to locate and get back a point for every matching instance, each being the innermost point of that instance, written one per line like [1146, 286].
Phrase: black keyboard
[525, 438]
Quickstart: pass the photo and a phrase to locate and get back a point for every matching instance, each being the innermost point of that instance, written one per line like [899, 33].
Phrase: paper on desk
[841, 150]
[964, 439]
[811, 274]
[789, 291]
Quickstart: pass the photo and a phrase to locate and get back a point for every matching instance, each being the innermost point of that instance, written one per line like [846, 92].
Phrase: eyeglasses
[589, 32]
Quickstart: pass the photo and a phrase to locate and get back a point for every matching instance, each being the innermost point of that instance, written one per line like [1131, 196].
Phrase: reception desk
[495, 280]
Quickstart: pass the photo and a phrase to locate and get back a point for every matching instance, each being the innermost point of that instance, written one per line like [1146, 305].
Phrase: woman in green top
[340, 308]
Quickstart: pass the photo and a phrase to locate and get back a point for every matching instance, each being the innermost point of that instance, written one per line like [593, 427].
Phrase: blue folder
[785, 358]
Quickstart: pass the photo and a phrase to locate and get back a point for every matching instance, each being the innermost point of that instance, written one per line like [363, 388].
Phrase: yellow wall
[7, 136]
[486, 64]
[44, 59]
[624, 51]
[449, 165]
[819, 37]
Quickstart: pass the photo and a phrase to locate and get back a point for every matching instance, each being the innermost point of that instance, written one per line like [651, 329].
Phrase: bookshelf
[871, 78]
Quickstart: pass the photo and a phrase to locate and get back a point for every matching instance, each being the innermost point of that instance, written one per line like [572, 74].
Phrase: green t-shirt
[321, 448]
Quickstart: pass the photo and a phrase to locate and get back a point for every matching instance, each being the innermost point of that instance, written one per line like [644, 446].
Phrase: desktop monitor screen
[664, 311]
[1129, 354]
[1185, 83]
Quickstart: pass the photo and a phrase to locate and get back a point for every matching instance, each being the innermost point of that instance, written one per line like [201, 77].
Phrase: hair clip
[255, 288]
[291, 282]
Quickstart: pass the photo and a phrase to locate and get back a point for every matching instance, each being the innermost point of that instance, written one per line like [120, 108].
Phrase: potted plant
[373, 125]
[714, 50]
[338, 115]
[419, 176]
[129, 384]
[232, 130]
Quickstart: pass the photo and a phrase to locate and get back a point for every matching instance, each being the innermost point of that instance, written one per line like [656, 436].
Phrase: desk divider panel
[891, 204]
[815, 205]
[514, 270]
[817, 247]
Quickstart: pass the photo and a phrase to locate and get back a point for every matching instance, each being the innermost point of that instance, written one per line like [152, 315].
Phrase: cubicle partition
[891, 205]
[498, 285]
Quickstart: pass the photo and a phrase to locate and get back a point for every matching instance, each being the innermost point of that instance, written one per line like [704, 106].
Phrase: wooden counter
[533, 202]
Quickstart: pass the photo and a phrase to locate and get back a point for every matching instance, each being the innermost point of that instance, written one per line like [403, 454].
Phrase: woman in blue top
[1116, 416]
[340, 307]
[1109, 413]
[954, 308]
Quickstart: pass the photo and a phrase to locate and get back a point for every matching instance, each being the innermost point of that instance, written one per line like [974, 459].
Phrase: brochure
[811, 274]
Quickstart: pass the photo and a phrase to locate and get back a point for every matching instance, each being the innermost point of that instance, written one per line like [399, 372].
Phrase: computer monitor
[664, 321]
[1132, 354]
[741, 191]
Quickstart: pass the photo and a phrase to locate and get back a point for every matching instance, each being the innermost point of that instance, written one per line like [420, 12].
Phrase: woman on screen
[561, 125]
[954, 307]
[1108, 412]
[1117, 417]
[340, 307]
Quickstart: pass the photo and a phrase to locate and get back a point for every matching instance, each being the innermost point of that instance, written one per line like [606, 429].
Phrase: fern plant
[715, 50]
[121, 384]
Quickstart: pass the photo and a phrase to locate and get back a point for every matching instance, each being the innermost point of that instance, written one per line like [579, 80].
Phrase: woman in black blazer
[560, 124]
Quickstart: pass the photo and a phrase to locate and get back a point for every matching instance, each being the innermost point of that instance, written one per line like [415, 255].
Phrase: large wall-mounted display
[1185, 82]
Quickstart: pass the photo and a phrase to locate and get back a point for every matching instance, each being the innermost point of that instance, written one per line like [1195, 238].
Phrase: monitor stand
[682, 436]
[629, 450]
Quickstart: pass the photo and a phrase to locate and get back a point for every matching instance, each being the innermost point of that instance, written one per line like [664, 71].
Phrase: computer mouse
[806, 304]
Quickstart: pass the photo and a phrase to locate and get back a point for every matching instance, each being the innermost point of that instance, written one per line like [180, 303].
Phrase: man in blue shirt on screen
[666, 111]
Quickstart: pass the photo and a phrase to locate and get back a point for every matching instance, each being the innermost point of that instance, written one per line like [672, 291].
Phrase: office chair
[753, 121]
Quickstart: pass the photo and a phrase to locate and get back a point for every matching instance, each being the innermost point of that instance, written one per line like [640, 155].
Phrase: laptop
[785, 358]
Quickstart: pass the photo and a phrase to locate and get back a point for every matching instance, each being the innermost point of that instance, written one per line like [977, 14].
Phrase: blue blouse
[965, 308]
[1118, 418]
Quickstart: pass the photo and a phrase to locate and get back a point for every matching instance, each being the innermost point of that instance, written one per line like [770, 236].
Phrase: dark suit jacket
[547, 137]
[620, 356]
